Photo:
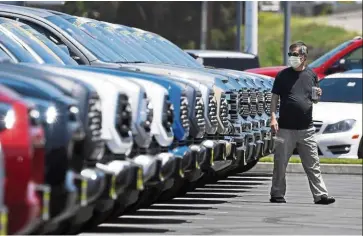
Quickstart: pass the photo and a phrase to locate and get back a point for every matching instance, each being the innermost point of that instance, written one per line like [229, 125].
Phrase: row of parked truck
[99, 119]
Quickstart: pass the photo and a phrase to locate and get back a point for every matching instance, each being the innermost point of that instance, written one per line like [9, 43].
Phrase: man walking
[295, 87]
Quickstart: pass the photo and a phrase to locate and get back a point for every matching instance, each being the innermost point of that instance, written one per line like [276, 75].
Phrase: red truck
[22, 140]
[346, 56]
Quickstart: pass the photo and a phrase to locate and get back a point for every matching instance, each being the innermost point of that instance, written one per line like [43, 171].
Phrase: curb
[343, 169]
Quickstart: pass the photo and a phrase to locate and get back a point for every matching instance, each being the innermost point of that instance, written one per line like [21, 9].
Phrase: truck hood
[332, 112]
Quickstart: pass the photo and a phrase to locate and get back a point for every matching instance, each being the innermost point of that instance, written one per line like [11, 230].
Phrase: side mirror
[64, 49]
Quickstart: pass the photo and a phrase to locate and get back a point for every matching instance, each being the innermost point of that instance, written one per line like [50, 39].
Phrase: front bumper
[152, 168]
[266, 138]
[63, 204]
[339, 145]
[190, 164]
[91, 184]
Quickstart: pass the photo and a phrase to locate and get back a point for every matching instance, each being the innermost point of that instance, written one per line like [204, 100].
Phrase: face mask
[295, 61]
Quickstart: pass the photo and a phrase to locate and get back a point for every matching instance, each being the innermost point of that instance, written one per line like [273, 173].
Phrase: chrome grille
[123, 116]
[263, 123]
[317, 125]
[244, 103]
[212, 110]
[261, 103]
[95, 117]
[199, 112]
[232, 100]
[254, 103]
[246, 127]
[184, 113]
[268, 98]
[224, 110]
[168, 114]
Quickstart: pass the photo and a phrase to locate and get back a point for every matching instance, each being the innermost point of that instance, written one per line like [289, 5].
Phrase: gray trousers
[307, 147]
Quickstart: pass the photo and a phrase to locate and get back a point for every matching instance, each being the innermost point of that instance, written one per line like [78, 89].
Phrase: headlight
[7, 116]
[341, 126]
[73, 113]
[51, 115]
[9, 119]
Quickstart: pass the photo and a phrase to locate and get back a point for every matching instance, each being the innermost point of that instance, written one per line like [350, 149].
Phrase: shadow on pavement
[115, 229]
[255, 175]
[130, 220]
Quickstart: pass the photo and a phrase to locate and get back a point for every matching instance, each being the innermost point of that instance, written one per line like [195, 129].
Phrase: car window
[345, 90]
[321, 60]
[354, 59]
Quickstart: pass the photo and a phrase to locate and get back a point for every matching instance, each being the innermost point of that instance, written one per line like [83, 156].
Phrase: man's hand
[319, 92]
[274, 126]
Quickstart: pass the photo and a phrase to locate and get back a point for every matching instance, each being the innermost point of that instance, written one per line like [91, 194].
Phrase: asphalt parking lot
[240, 205]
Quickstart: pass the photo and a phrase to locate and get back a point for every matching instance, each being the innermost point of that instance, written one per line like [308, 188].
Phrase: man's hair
[303, 49]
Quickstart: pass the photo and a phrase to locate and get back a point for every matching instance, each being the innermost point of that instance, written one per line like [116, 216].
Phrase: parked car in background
[346, 56]
[3, 208]
[62, 129]
[22, 141]
[338, 116]
[225, 59]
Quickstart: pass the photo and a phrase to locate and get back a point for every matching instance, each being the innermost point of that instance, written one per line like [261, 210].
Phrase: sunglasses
[295, 54]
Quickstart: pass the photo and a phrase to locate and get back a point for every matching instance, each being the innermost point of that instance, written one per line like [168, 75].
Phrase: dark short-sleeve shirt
[296, 105]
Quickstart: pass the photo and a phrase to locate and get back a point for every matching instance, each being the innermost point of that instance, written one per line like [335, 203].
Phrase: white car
[338, 116]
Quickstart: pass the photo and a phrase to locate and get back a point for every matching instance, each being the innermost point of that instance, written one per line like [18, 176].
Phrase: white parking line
[210, 193]
[225, 189]
[181, 217]
[233, 185]
[241, 181]
[252, 177]
[181, 211]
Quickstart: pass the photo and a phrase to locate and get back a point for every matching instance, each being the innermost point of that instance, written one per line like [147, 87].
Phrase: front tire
[247, 167]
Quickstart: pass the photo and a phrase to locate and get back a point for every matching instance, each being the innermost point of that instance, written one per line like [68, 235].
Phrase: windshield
[38, 47]
[99, 50]
[346, 90]
[15, 48]
[4, 55]
[321, 60]
[137, 37]
[103, 37]
[52, 46]
[131, 44]
[178, 51]
[166, 55]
